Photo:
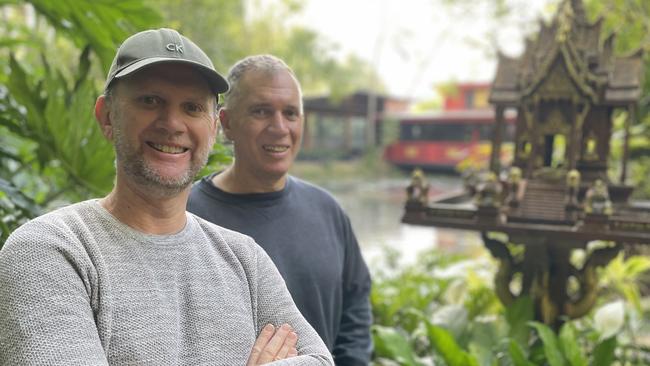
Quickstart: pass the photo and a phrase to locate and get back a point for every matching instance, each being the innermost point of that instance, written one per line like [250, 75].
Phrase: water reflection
[375, 209]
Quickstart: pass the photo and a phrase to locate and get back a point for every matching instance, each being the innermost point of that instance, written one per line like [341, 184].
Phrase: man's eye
[194, 108]
[261, 112]
[292, 114]
[150, 100]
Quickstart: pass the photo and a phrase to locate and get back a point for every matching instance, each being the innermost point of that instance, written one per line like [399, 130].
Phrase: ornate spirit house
[558, 195]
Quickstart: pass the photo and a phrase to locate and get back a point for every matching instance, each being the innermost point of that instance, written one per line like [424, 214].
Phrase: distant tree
[230, 30]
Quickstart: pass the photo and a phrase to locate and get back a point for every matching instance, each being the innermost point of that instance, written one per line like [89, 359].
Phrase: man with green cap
[132, 278]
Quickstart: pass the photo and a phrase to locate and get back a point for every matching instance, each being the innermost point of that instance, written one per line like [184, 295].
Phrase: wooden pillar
[495, 155]
[559, 270]
[347, 133]
[371, 118]
[533, 137]
[574, 141]
[626, 140]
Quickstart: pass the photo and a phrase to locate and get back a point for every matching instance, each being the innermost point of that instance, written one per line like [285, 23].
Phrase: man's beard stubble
[144, 175]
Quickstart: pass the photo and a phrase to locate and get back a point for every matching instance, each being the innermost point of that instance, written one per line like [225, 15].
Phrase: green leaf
[12, 121]
[20, 90]
[518, 315]
[84, 67]
[536, 354]
[15, 42]
[452, 317]
[517, 354]
[445, 344]
[603, 354]
[551, 347]
[570, 346]
[637, 265]
[21, 201]
[6, 153]
[391, 344]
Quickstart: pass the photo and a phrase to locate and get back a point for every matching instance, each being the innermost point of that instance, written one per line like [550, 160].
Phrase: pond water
[375, 209]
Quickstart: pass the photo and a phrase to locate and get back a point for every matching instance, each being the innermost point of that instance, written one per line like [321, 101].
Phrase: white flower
[608, 320]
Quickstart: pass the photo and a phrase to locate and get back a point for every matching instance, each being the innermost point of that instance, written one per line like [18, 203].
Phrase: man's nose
[172, 119]
[279, 123]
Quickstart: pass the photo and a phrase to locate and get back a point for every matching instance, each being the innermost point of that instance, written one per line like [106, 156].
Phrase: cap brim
[217, 82]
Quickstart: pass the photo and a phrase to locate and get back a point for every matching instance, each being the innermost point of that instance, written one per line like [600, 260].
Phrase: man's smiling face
[265, 123]
[163, 126]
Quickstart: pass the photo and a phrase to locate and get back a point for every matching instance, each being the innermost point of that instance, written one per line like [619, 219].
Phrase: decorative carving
[470, 181]
[557, 84]
[535, 269]
[555, 123]
[489, 193]
[597, 199]
[587, 277]
[418, 191]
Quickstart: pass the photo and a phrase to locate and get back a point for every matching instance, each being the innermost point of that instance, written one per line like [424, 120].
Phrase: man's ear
[103, 117]
[224, 119]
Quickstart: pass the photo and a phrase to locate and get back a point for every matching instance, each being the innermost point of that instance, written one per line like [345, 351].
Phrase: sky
[418, 44]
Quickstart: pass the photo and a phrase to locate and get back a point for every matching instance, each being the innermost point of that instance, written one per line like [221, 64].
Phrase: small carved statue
[470, 181]
[597, 199]
[489, 193]
[418, 190]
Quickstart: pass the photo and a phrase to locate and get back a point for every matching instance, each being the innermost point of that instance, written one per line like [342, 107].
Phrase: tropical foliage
[55, 54]
[442, 310]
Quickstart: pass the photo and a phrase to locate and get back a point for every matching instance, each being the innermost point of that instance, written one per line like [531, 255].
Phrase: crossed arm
[273, 345]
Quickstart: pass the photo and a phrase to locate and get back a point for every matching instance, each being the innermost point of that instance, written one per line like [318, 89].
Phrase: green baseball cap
[163, 45]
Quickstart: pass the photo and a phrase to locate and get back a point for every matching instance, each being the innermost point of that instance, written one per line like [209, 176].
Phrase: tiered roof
[595, 71]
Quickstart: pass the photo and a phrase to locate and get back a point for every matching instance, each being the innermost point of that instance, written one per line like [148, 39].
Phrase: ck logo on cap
[174, 47]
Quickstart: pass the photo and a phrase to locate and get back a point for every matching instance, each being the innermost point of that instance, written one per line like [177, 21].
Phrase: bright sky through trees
[415, 44]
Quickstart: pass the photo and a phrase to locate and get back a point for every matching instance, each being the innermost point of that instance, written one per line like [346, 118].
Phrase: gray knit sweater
[78, 287]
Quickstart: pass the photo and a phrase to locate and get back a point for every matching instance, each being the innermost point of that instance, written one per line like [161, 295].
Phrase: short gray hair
[263, 63]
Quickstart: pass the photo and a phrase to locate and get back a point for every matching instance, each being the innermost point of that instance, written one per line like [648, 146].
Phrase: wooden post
[371, 120]
[626, 140]
[495, 155]
[347, 134]
[306, 132]
[533, 136]
[573, 140]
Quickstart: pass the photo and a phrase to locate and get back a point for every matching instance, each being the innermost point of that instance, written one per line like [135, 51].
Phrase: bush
[442, 310]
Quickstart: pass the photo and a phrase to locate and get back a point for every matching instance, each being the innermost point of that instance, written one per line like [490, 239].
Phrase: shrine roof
[601, 76]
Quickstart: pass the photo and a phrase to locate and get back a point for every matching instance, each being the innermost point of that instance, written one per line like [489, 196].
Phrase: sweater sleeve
[45, 300]
[353, 345]
[275, 306]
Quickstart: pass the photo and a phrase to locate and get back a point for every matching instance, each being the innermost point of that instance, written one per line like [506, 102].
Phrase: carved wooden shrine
[557, 196]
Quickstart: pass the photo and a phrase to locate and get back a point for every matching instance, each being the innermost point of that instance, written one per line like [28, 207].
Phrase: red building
[467, 96]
